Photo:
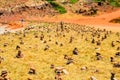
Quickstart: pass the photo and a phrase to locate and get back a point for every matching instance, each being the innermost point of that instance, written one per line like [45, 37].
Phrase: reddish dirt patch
[14, 25]
[17, 24]
[100, 21]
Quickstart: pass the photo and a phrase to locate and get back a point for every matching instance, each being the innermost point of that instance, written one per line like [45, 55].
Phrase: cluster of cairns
[59, 72]
[98, 36]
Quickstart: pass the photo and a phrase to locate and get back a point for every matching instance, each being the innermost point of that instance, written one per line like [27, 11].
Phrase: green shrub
[115, 3]
[73, 1]
[57, 6]
[49, 0]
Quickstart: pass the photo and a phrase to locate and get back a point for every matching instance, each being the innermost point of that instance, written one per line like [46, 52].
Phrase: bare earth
[99, 21]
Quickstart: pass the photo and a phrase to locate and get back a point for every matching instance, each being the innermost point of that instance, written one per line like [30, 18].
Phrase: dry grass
[41, 60]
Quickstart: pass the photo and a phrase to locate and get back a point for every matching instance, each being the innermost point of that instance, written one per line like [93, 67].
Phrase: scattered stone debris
[113, 76]
[69, 61]
[32, 71]
[92, 78]
[59, 72]
[117, 65]
[75, 51]
[111, 59]
[52, 66]
[117, 54]
[98, 56]
[19, 54]
[84, 68]
[4, 75]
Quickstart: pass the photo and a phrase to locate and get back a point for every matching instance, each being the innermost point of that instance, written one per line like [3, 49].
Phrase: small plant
[73, 1]
[115, 3]
[57, 7]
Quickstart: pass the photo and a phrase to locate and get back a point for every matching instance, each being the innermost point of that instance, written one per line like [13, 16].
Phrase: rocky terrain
[60, 51]
[59, 40]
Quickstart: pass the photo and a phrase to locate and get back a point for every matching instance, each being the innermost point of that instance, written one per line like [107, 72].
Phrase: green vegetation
[99, 0]
[49, 0]
[57, 6]
[73, 1]
[7, 3]
[115, 3]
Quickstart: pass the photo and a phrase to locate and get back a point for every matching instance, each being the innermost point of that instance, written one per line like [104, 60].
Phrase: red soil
[100, 21]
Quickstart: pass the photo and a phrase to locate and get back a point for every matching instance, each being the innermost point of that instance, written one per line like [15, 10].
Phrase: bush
[57, 7]
[115, 3]
[73, 1]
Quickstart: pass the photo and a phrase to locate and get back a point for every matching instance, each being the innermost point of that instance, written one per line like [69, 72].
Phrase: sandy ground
[99, 21]
[4, 29]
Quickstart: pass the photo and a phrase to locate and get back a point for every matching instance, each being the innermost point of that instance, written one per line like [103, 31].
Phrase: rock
[75, 51]
[61, 70]
[84, 68]
[32, 71]
[117, 65]
[92, 78]
[117, 54]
